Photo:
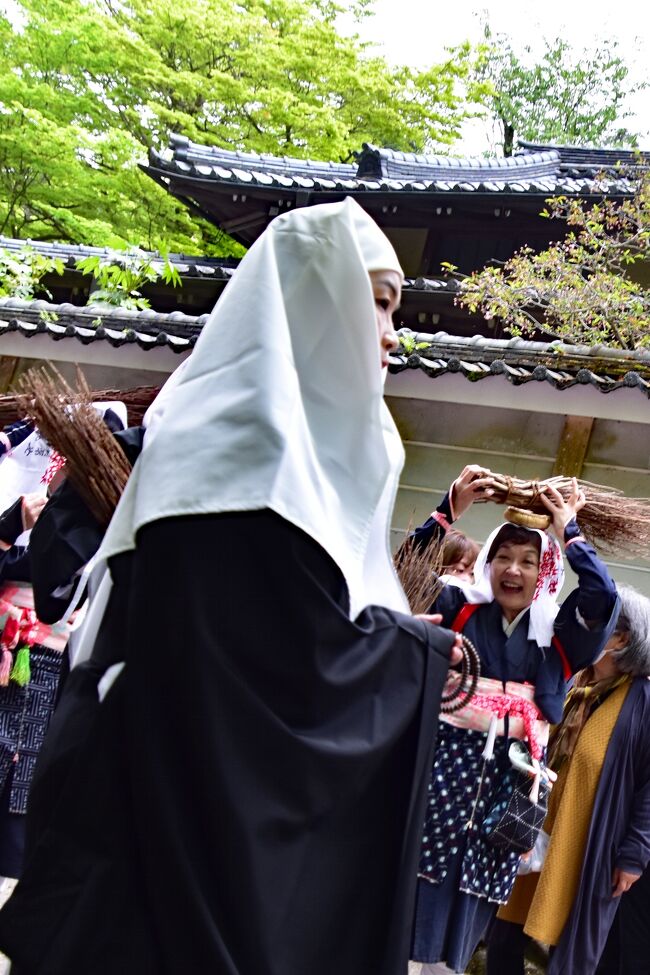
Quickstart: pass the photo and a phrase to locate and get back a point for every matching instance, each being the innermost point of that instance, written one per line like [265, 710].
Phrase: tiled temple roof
[521, 362]
[591, 159]
[192, 266]
[217, 269]
[536, 169]
[98, 323]
[194, 154]
[477, 358]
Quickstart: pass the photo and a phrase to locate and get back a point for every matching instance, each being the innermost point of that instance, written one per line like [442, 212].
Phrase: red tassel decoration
[6, 663]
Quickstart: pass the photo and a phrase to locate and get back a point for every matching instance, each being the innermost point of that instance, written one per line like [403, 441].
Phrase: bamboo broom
[95, 463]
[137, 400]
[609, 519]
[418, 569]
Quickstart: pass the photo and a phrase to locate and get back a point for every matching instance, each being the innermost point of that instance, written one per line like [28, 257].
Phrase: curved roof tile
[535, 169]
[521, 361]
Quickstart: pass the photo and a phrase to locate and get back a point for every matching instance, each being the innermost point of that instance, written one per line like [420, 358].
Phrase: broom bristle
[95, 464]
[418, 568]
[137, 401]
[609, 520]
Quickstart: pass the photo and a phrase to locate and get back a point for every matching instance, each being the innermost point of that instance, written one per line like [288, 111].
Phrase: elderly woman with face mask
[529, 648]
[599, 810]
[246, 798]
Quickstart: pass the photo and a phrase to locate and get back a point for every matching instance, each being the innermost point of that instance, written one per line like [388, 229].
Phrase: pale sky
[416, 32]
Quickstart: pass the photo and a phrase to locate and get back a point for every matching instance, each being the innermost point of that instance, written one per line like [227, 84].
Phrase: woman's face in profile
[387, 291]
[463, 569]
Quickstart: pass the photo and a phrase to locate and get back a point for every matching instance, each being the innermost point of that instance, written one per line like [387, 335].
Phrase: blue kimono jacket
[516, 658]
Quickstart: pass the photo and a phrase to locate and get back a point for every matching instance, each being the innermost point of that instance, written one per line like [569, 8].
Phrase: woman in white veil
[248, 795]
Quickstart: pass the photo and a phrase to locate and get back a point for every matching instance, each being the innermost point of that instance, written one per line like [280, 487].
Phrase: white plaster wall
[440, 437]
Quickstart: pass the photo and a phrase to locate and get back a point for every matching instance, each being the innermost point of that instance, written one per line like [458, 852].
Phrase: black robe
[249, 797]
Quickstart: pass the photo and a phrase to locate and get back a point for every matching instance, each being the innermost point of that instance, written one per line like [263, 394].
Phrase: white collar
[509, 628]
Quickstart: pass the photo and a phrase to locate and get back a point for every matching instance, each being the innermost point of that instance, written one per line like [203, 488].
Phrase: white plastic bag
[534, 861]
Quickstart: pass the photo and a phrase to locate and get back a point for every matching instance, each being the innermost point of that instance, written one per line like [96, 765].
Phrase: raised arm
[596, 594]
[474, 483]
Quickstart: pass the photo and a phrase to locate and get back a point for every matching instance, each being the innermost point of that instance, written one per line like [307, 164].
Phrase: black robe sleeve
[588, 615]
[11, 522]
[15, 562]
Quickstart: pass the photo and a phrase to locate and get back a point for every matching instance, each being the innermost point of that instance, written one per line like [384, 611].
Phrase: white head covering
[544, 607]
[22, 469]
[281, 405]
[116, 405]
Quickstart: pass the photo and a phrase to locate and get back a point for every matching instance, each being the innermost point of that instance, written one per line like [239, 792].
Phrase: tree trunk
[508, 137]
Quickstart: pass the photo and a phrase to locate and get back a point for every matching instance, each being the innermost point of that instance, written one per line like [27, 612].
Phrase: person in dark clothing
[599, 811]
[63, 540]
[67, 535]
[37, 571]
[248, 737]
[30, 664]
[15, 559]
[627, 951]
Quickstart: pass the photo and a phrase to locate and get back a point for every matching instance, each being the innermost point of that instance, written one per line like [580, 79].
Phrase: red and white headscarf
[544, 607]
[57, 460]
[56, 463]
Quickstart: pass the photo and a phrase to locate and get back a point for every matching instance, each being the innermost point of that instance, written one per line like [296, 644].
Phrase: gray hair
[634, 619]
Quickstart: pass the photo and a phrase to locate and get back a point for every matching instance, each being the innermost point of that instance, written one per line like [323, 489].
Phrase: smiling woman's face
[513, 573]
[387, 291]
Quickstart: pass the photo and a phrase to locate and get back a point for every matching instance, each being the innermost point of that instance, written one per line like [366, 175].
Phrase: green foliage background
[564, 96]
[88, 86]
[589, 288]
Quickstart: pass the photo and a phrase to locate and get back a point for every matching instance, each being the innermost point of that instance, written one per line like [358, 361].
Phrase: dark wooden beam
[245, 222]
[8, 371]
[572, 449]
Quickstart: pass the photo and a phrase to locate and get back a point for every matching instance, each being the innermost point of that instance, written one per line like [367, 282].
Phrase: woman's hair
[458, 547]
[633, 619]
[514, 535]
